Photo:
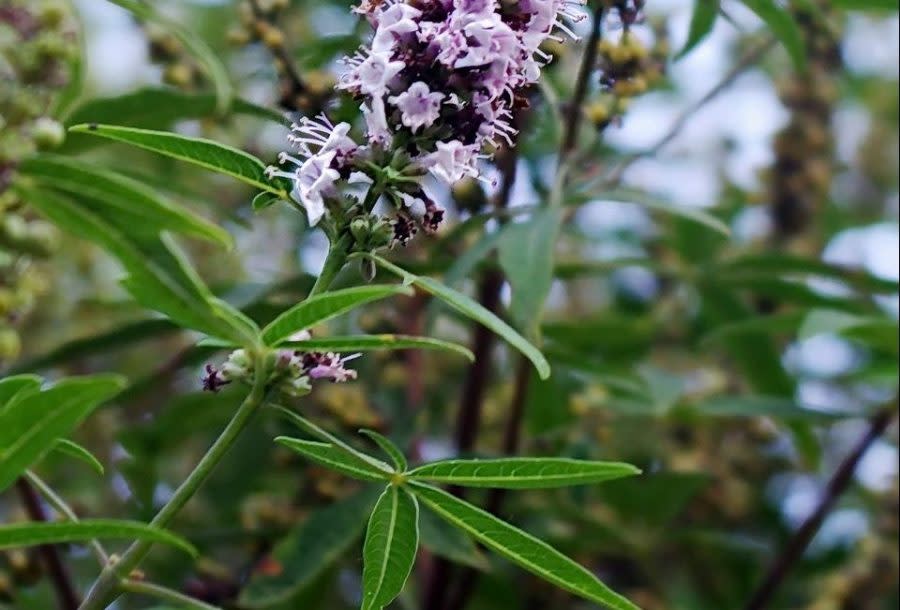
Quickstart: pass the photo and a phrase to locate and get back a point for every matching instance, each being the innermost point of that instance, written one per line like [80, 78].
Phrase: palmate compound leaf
[519, 547]
[32, 421]
[31, 534]
[521, 473]
[159, 276]
[199, 151]
[392, 538]
[473, 310]
[326, 306]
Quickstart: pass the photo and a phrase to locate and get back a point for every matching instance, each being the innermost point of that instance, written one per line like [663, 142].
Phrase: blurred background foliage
[722, 312]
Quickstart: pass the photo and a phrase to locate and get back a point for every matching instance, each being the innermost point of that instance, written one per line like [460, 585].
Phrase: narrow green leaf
[32, 534]
[11, 386]
[309, 549]
[444, 540]
[335, 458]
[127, 334]
[702, 21]
[388, 446]
[821, 321]
[781, 264]
[73, 449]
[264, 200]
[153, 108]
[31, 423]
[783, 26]
[473, 310]
[325, 306]
[525, 252]
[159, 276]
[522, 473]
[311, 428]
[365, 343]
[521, 548]
[392, 539]
[658, 203]
[149, 210]
[194, 43]
[159, 107]
[199, 151]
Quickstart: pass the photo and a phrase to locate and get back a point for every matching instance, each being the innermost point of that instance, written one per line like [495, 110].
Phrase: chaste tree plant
[411, 150]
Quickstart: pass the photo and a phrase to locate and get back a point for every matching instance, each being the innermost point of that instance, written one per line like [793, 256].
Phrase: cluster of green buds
[261, 22]
[628, 68]
[800, 177]
[38, 43]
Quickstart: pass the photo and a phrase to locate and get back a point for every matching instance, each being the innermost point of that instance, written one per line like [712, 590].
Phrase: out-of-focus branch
[588, 63]
[62, 507]
[292, 83]
[747, 61]
[66, 595]
[468, 420]
[840, 481]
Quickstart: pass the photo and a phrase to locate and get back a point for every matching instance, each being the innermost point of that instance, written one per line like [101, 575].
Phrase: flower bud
[48, 133]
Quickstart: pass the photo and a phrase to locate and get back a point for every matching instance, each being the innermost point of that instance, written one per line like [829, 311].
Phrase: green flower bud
[47, 133]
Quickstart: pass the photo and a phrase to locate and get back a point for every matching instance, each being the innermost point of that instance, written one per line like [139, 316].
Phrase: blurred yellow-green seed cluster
[38, 47]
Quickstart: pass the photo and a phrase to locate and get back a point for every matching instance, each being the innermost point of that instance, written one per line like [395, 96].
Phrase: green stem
[164, 593]
[109, 585]
[334, 262]
[339, 248]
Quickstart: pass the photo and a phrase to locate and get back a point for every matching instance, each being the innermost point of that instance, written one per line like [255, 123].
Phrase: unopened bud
[48, 134]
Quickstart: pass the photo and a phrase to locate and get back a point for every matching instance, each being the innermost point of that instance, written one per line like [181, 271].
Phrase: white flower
[315, 178]
[373, 75]
[392, 22]
[418, 105]
[452, 161]
[323, 134]
[376, 122]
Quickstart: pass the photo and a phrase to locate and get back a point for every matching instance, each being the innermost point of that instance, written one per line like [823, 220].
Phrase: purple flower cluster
[439, 81]
[293, 372]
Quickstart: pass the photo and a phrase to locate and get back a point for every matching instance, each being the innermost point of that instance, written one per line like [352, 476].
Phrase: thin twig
[512, 432]
[512, 439]
[62, 507]
[293, 84]
[840, 481]
[66, 595]
[149, 589]
[588, 64]
[749, 59]
[468, 421]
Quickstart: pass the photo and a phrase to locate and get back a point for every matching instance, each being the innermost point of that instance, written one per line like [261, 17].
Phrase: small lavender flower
[438, 82]
[292, 374]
